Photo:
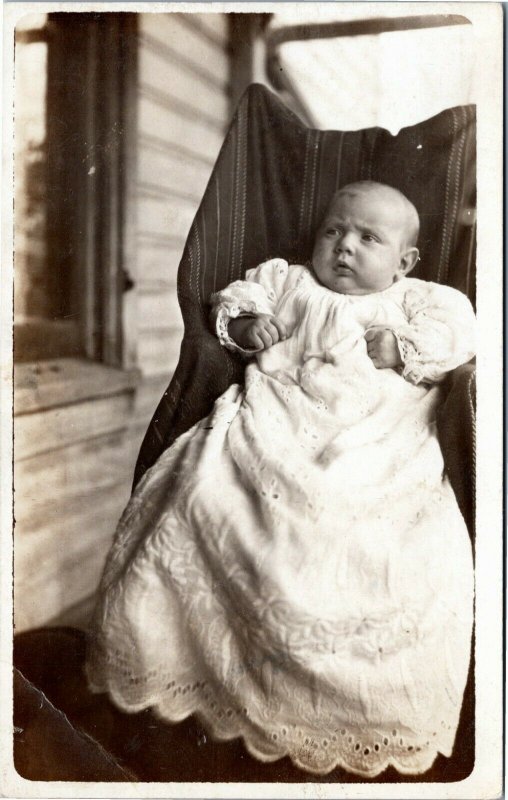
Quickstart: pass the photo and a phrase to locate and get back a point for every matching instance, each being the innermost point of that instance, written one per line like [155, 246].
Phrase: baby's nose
[345, 244]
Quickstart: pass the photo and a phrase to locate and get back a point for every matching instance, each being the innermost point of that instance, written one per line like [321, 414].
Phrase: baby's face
[361, 246]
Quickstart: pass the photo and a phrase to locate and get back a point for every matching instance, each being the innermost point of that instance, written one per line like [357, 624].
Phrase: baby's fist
[382, 348]
[257, 333]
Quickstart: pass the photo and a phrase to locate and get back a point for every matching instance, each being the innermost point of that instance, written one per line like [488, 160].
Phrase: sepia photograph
[252, 537]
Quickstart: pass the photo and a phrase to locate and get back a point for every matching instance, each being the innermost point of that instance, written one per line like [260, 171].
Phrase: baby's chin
[356, 291]
[353, 290]
[347, 285]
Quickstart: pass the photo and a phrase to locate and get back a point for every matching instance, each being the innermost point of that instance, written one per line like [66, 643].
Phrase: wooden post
[248, 52]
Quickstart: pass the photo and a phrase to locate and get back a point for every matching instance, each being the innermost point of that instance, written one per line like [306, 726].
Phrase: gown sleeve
[259, 293]
[438, 335]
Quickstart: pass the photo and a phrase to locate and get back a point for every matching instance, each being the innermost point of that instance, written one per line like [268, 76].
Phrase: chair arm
[204, 372]
[461, 382]
[456, 427]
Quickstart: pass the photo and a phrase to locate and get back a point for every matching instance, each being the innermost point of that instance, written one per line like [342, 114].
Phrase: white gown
[295, 569]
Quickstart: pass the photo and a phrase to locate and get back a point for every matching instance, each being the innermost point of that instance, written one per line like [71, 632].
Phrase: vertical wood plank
[88, 282]
[110, 102]
[128, 224]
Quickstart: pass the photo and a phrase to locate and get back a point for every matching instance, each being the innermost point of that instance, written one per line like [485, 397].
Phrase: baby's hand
[382, 348]
[257, 333]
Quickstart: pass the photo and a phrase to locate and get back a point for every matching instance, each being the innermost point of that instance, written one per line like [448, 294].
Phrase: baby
[295, 568]
[366, 241]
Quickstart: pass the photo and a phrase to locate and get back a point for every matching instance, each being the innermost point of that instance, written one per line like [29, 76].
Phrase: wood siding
[79, 425]
[183, 109]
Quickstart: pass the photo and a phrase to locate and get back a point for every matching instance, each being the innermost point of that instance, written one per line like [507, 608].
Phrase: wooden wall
[183, 110]
[78, 425]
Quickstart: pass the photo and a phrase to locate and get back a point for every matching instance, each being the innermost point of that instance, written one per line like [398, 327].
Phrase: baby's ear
[408, 260]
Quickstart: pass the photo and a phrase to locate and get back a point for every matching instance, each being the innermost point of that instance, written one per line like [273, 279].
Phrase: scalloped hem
[290, 750]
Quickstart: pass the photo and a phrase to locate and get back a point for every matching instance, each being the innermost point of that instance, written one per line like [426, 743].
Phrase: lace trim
[363, 752]
[224, 315]
[412, 370]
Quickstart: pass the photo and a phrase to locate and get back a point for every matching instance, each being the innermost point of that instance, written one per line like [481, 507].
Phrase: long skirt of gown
[295, 571]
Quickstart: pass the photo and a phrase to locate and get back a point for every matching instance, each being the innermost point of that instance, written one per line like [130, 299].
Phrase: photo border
[486, 779]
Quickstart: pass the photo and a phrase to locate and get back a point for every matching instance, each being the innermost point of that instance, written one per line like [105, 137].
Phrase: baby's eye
[333, 231]
[369, 237]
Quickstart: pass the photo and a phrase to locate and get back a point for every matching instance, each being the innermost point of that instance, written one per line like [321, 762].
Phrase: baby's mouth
[341, 268]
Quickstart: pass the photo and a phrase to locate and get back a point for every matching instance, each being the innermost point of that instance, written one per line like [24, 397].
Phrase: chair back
[274, 178]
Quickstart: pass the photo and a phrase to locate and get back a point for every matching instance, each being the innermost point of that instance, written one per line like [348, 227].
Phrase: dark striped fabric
[268, 191]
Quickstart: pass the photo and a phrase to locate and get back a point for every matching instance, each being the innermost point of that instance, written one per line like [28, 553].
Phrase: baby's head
[367, 239]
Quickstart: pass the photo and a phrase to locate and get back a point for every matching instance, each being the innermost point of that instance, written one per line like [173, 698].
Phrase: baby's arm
[438, 335]
[243, 313]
